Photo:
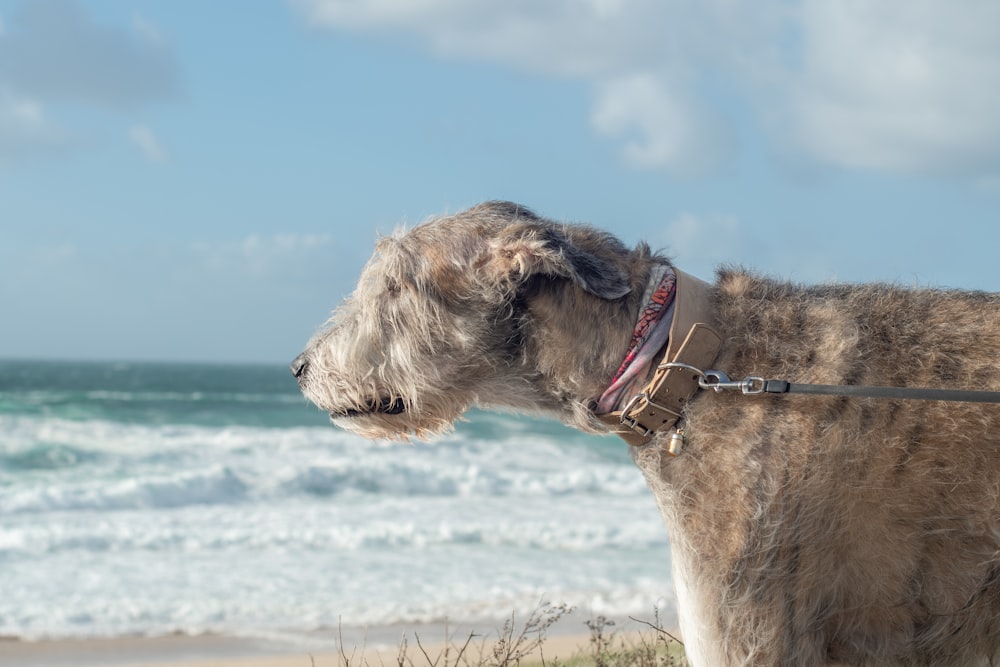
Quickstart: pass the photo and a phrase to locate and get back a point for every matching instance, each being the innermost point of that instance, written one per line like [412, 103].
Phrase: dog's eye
[393, 287]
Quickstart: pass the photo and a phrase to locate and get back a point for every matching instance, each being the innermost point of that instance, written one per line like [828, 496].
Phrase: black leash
[904, 393]
[719, 381]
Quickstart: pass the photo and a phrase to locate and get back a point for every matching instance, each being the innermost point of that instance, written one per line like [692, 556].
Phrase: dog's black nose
[299, 365]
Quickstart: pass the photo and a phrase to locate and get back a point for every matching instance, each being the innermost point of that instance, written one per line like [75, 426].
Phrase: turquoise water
[150, 499]
[155, 393]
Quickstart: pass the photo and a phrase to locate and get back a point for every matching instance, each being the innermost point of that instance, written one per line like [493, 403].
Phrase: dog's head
[447, 315]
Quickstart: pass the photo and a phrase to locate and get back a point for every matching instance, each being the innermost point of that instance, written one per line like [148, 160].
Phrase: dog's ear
[525, 250]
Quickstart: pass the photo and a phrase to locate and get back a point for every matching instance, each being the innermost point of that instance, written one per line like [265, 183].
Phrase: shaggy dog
[804, 530]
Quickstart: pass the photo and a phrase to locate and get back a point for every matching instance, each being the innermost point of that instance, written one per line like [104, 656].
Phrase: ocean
[147, 499]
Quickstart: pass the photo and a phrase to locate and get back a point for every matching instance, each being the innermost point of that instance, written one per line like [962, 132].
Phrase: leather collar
[693, 342]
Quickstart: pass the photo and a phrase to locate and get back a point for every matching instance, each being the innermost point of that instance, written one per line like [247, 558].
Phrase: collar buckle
[632, 422]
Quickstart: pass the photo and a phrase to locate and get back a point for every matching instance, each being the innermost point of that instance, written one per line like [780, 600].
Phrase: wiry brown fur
[804, 530]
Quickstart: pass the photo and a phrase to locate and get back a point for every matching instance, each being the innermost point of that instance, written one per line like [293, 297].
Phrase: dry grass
[523, 645]
[654, 647]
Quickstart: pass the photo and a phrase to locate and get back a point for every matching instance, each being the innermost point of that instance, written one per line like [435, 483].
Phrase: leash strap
[719, 381]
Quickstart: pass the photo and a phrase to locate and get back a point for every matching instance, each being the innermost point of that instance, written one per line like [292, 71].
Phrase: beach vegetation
[525, 644]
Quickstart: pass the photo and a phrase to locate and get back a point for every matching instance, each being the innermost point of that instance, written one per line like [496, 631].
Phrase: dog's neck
[649, 336]
[692, 345]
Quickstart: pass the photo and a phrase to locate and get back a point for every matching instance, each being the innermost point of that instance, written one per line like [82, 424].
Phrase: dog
[804, 530]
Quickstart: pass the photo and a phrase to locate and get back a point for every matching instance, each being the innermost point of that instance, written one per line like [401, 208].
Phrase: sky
[202, 181]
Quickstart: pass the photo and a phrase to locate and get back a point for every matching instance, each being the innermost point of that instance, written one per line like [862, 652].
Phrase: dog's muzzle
[388, 405]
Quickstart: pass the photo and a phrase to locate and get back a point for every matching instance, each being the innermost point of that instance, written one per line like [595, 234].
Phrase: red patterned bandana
[648, 337]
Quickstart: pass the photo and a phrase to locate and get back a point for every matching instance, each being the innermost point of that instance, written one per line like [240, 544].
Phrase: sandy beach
[374, 647]
[232, 652]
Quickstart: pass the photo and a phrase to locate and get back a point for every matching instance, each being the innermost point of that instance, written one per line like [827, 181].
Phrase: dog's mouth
[382, 406]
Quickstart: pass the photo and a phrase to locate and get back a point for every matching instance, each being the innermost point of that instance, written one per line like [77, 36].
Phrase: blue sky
[202, 181]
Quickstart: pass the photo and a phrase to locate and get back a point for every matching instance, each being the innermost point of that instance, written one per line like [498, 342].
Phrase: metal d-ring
[688, 367]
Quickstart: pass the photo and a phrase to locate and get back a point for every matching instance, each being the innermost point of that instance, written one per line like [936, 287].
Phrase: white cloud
[148, 31]
[147, 143]
[662, 127]
[23, 111]
[53, 54]
[561, 38]
[277, 256]
[893, 85]
[25, 128]
[702, 243]
[899, 88]
[58, 255]
[625, 49]
[699, 243]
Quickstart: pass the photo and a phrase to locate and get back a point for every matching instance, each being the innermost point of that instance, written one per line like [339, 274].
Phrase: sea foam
[259, 520]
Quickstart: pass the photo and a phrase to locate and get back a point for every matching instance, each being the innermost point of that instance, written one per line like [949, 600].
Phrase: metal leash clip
[719, 381]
